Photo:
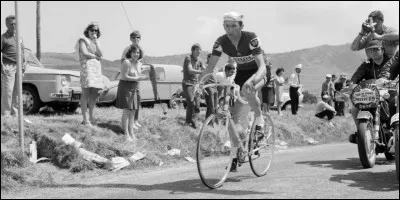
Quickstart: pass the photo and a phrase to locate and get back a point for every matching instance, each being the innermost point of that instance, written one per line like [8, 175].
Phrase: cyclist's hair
[134, 48]
[279, 70]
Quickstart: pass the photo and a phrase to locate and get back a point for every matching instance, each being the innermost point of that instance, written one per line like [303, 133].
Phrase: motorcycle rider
[370, 69]
[391, 71]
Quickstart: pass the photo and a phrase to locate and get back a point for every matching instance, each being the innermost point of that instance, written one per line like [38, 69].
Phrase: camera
[368, 26]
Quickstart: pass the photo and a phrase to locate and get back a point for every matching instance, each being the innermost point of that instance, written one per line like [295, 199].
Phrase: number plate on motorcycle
[365, 95]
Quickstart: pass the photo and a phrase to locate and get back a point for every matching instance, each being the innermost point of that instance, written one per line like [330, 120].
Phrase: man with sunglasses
[135, 38]
[368, 70]
[9, 82]
[244, 48]
[377, 31]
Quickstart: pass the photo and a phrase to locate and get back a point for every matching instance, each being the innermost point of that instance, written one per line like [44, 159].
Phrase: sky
[170, 28]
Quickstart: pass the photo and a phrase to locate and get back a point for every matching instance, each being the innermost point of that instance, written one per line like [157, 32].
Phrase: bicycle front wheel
[214, 155]
[262, 147]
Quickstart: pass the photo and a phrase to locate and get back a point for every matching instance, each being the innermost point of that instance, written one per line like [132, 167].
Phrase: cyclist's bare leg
[255, 105]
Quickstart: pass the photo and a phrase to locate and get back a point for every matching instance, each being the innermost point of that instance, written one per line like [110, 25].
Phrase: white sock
[259, 121]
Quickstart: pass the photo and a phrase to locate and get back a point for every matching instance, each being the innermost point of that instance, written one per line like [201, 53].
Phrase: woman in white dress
[279, 83]
[89, 54]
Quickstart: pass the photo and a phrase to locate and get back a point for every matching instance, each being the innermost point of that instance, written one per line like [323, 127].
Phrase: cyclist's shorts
[243, 75]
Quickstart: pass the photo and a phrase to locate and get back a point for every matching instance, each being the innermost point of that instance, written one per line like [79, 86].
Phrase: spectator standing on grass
[279, 83]
[9, 80]
[89, 54]
[328, 88]
[268, 95]
[324, 109]
[295, 89]
[128, 97]
[192, 68]
[340, 100]
[211, 96]
[135, 38]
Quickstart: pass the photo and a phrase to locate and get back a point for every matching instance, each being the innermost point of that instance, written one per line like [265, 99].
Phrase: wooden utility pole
[38, 47]
[18, 81]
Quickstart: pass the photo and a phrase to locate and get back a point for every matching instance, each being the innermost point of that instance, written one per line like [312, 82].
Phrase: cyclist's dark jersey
[248, 47]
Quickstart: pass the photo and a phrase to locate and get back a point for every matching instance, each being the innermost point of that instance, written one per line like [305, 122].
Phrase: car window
[31, 59]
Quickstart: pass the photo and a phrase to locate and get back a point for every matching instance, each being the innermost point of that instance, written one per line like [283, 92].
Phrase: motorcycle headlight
[386, 96]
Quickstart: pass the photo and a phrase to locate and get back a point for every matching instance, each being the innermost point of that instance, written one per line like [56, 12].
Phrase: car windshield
[31, 59]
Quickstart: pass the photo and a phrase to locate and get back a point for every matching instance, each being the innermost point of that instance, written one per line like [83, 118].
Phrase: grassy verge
[106, 139]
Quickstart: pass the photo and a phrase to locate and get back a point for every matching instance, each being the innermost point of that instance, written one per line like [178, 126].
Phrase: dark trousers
[339, 107]
[324, 113]
[189, 94]
[294, 99]
[211, 101]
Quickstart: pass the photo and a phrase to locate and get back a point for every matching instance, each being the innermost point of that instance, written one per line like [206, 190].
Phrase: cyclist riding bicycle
[245, 49]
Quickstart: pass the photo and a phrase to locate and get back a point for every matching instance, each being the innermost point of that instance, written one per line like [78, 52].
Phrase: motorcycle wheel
[366, 144]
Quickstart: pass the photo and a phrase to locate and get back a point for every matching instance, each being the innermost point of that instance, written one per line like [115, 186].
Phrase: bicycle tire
[261, 160]
[214, 156]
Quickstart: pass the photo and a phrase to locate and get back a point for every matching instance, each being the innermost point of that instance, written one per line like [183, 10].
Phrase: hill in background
[316, 61]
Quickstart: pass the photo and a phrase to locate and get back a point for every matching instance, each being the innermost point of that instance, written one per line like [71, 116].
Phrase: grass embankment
[106, 139]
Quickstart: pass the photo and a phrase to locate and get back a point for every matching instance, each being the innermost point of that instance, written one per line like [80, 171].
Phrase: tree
[38, 47]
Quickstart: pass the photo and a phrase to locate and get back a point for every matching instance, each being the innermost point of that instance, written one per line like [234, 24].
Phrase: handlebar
[200, 88]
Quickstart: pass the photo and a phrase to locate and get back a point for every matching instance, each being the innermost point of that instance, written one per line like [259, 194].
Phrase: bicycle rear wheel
[262, 147]
[214, 155]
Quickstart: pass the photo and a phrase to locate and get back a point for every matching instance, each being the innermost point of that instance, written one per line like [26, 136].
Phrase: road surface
[324, 171]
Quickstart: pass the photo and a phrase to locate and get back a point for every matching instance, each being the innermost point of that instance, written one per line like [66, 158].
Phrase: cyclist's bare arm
[211, 65]
[262, 71]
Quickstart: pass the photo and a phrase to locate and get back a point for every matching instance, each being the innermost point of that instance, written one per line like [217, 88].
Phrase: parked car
[43, 86]
[168, 81]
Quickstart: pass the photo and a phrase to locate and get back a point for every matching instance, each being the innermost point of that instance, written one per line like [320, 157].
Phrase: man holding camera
[373, 29]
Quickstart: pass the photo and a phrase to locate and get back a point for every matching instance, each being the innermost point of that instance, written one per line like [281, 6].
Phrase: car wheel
[30, 100]
[72, 107]
[173, 102]
[285, 105]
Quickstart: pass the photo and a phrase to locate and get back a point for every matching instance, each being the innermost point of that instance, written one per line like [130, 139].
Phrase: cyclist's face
[232, 28]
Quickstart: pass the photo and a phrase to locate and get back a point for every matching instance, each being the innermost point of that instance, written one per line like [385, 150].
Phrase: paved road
[325, 171]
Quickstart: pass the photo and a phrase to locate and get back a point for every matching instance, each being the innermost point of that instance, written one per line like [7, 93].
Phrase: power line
[126, 15]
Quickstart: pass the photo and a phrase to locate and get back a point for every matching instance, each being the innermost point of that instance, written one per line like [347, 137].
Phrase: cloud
[208, 25]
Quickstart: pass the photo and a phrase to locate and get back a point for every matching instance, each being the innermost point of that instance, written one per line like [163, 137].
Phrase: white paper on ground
[190, 159]
[173, 152]
[137, 156]
[119, 163]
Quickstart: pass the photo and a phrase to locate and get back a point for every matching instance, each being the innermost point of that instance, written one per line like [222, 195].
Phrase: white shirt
[221, 78]
[294, 80]
[321, 106]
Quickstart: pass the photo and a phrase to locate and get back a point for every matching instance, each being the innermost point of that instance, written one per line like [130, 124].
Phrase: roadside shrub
[309, 98]
[81, 165]
[65, 155]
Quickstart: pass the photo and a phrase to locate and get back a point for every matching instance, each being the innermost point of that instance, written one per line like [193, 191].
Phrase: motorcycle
[374, 134]
[394, 123]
